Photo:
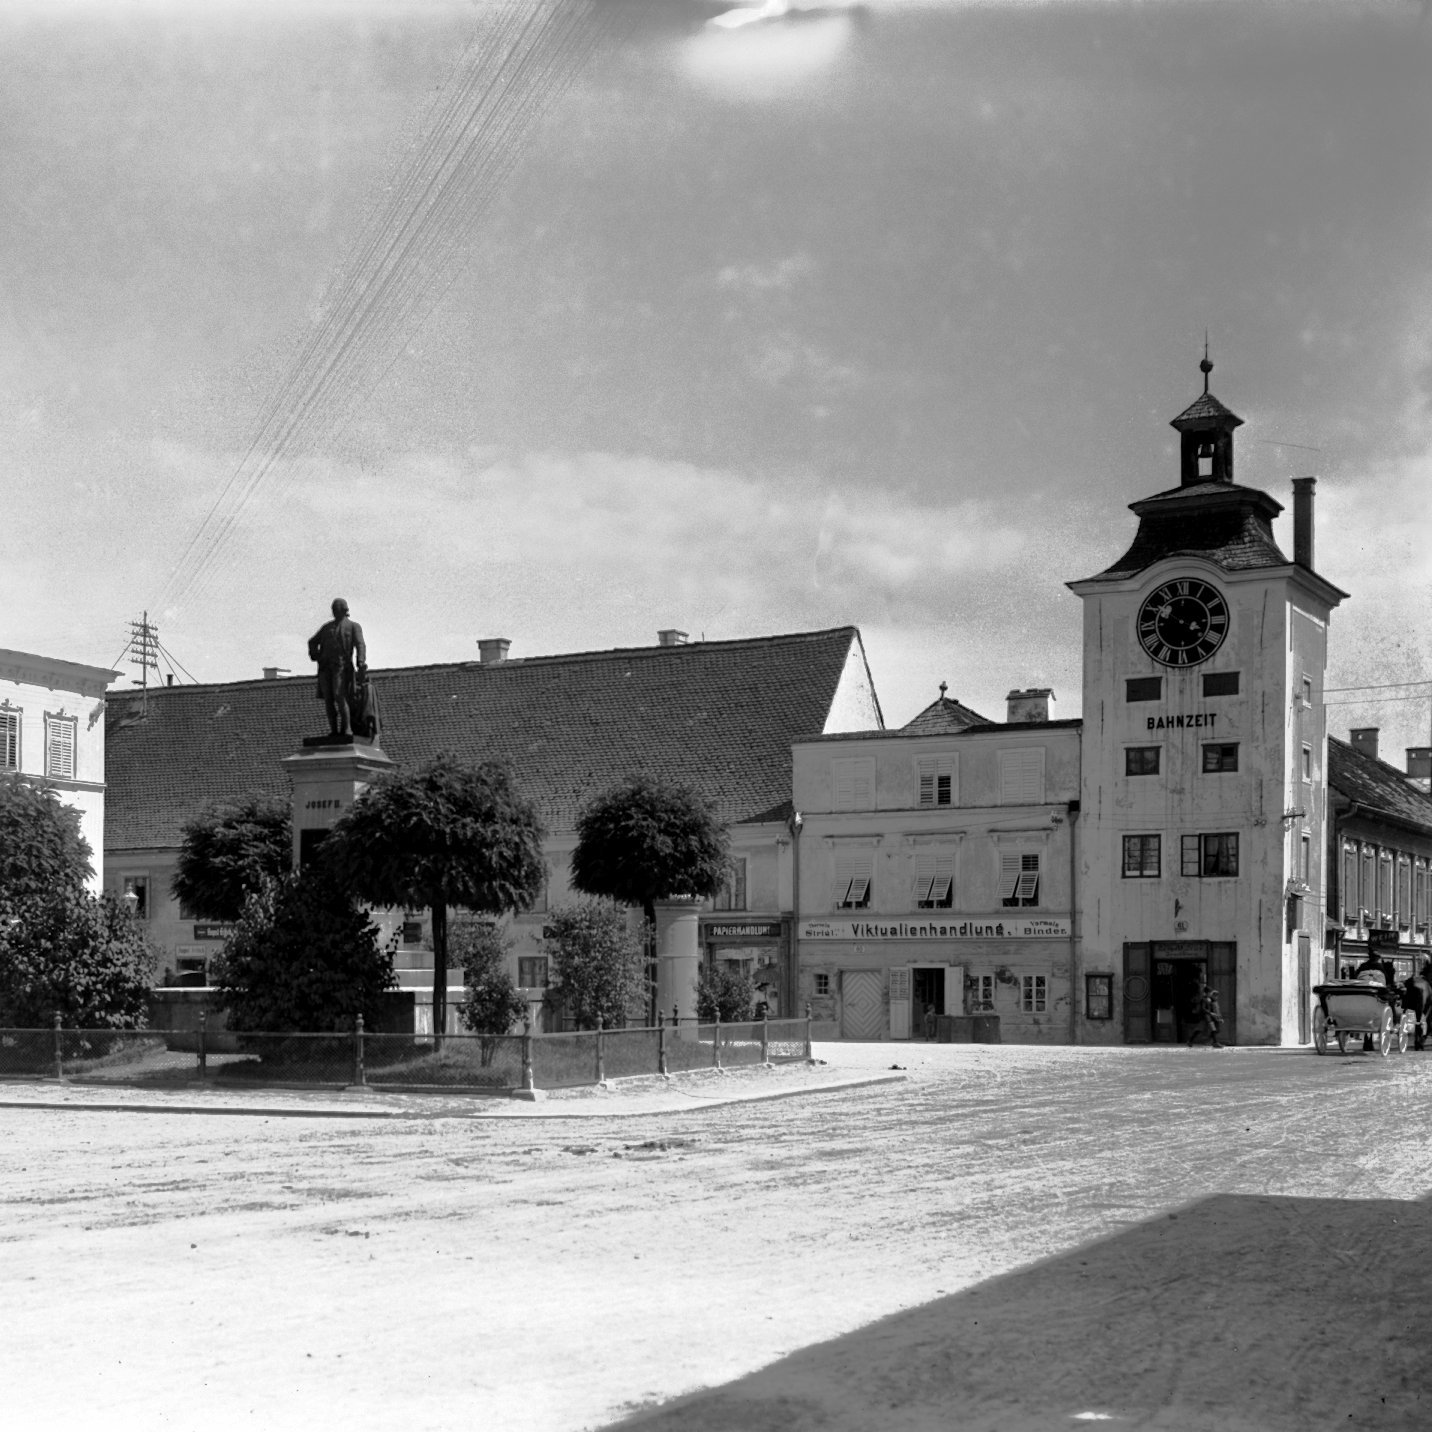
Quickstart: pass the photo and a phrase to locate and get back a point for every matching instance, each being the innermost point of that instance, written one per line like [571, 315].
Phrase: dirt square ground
[1006, 1238]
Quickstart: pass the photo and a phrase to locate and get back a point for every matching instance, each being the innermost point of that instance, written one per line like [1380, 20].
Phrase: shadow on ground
[1233, 1313]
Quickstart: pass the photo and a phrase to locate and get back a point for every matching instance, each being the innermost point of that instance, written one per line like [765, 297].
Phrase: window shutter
[60, 748]
[936, 780]
[1028, 887]
[1021, 776]
[853, 784]
[9, 740]
[1009, 873]
[924, 878]
[852, 880]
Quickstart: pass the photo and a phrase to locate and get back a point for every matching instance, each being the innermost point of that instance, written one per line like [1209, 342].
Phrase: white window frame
[733, 889]
[1143, 873]
[531, 960]
[852, 783]
[11, 726]
[982, 995]
[1034, 994]
[854, 877]
[62, 739]
[1020, 871]
[933, 886]
[935, 777]
[821, 984]
[1021, 776]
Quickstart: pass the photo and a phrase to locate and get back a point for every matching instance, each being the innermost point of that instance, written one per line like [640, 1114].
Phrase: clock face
[1183, 622]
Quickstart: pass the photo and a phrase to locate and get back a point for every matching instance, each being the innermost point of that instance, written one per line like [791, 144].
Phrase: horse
[1417, 1001]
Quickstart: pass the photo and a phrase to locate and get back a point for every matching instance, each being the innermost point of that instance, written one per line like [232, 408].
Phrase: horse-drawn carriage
[1365, 1008]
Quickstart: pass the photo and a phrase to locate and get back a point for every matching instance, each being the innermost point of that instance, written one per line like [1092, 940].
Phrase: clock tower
[1204, 757]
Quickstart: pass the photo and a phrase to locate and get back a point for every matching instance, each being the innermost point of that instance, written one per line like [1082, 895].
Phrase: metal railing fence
[473, 1062]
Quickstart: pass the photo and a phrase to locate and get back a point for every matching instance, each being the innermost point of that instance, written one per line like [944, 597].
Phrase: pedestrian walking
[1210, 1017]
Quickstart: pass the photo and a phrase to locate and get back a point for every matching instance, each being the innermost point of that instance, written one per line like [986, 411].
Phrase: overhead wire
[470, 140]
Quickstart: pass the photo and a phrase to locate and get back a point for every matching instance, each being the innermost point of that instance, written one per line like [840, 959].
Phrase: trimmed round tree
[444, 835]
[597, 965]
[231, 852]
[647, 839]
[41, 848]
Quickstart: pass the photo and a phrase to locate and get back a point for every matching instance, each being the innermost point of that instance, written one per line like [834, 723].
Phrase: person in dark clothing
[1210, 1017]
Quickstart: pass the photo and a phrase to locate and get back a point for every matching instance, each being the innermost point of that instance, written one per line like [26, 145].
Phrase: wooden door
[1305, 989]
[1138, 995]
[862, 1014]
[1223, 976]
[900, 1002]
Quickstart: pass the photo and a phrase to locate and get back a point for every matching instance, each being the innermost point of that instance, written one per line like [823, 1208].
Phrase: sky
[868, 315]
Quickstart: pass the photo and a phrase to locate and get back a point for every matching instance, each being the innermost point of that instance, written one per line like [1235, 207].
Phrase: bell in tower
[1206, 436]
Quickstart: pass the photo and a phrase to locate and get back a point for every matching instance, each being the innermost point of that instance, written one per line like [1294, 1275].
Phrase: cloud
[781, 274]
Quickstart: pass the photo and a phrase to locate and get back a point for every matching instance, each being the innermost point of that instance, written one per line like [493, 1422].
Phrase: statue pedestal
[327, 778]
[678, 961]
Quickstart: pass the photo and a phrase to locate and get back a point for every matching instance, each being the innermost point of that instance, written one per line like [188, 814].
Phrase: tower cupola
[1206, 436]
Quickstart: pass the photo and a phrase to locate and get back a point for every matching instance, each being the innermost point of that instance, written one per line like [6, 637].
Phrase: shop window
[1142, 760]
[1220, 683]
[1208, 856]
[60, 747]
[1034, 994]
[1098, 996]
[936, 778]
[1143, 688]
[934, 882]
[1220, 757]
[1142, 857]
[1021, 776]
[732, 894]
[822, 982]
[9, 739]
[982, 994]
[1019, 877]
[852, 882]
[853, 784]
[532, 971]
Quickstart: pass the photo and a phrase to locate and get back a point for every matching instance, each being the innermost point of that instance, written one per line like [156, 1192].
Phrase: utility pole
[144, 652]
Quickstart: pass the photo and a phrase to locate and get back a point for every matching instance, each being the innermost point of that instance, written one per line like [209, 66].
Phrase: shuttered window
[852, 881]
[934, 882]
[60, 747]
[1350, 905]
[936, 779]
[9, 740]
[1019, 877]
[1021, 776]
[853, 784]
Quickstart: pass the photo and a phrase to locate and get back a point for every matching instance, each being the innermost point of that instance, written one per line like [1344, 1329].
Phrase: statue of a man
[342, 658]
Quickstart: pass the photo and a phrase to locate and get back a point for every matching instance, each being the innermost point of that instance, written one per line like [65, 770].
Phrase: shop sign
[744, 930]
[987, 927]
[213, 932]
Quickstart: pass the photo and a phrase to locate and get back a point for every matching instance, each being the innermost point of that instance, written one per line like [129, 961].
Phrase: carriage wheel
[1402, 1036]
[1320, 1031]
[1384, 1035]
[1342, 1041]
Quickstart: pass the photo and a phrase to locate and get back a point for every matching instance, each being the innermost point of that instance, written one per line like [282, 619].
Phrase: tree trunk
[440, 978]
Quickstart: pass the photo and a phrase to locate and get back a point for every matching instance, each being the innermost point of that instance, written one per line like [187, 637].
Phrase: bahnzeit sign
[988, 927]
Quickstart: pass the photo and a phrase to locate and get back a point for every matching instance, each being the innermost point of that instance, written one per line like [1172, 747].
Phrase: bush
[725, 993]
[597, 964]
[41, 848]
[304, 958]
[76, 955]
[231, 852]
[492, 1005]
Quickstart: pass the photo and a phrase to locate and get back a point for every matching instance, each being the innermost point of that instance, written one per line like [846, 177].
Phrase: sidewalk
[643, 1095]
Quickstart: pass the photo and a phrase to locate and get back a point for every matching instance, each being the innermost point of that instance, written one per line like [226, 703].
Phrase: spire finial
[1205, 367]
[944, 687]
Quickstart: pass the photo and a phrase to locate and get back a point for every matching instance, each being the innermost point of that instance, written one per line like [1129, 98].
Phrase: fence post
[601, 1054]
[716, 1042]
[360, 1073]
[807, 1039]
[660, 1045]
[59, 1049]
[203, 1042]
[527, 1081]
[765, 1038]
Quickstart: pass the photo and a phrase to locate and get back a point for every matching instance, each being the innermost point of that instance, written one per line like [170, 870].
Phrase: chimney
[1364, 740]
[1303, 521]
[671, 637]
[1031, 705]
[169, 681]
[272, 673]
[1419, 762]
[492, 650]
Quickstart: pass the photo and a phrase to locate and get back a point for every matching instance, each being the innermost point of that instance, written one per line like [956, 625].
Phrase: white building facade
[52, 732]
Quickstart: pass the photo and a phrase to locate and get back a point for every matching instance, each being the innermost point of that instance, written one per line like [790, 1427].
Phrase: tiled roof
[941, 715]
[720, 716]
[1379, 788]
[1204, 411]
[1235, 531]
